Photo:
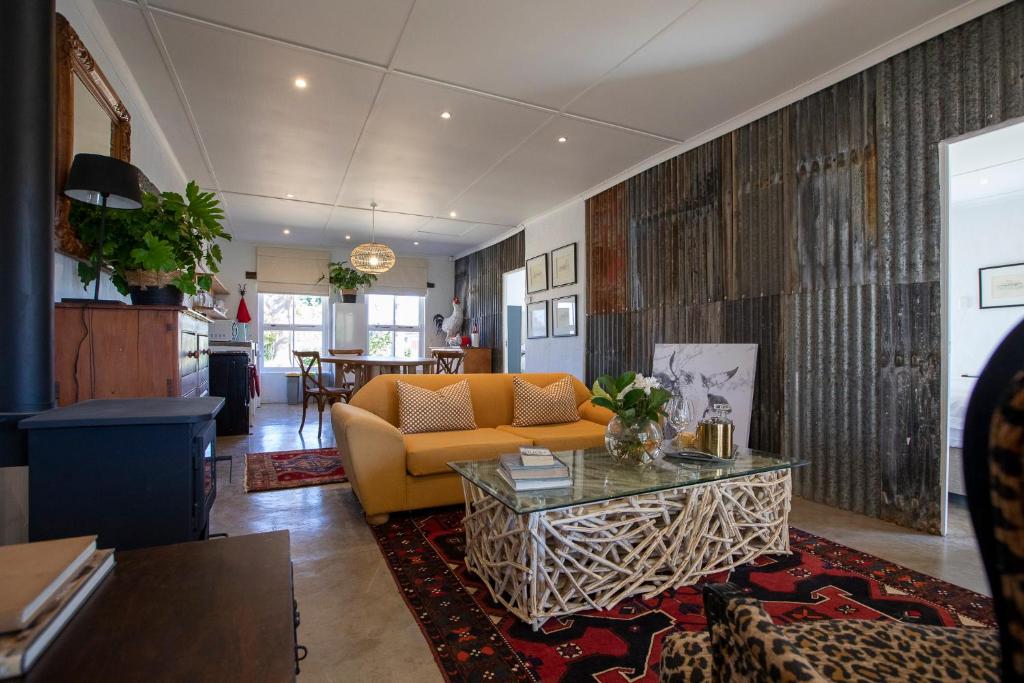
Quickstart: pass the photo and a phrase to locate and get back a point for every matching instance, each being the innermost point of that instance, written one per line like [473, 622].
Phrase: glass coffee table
[618, 530]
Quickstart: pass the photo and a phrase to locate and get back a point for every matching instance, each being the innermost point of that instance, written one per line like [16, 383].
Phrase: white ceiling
[987, 165]
[623, 81]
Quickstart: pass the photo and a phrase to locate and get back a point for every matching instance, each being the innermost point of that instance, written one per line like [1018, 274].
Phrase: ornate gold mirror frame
[74, 61]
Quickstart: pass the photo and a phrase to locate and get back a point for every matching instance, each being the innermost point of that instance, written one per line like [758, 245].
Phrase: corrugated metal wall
[814, 232]
[478, 285]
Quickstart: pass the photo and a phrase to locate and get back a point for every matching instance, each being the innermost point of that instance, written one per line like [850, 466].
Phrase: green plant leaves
[157, 254]
[630, 404]
[342, 277]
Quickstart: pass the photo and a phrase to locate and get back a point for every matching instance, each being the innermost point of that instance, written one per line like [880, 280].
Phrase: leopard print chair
[742, 644]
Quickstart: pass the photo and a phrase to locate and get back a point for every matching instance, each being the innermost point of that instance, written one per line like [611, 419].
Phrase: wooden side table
[219, 610]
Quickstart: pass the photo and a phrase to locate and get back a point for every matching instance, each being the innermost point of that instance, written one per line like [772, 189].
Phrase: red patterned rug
[290, 469]
[476, 640]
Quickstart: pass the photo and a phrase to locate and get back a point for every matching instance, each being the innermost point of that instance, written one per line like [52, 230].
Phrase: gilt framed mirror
[90, 117]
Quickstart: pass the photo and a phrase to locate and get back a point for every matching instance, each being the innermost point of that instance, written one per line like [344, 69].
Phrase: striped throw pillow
[445, 410]
[553, 404]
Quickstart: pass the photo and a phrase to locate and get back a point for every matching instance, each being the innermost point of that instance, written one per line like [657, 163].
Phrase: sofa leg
[375, 520]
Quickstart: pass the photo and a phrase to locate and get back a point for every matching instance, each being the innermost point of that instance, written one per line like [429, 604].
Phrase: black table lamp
[107, 182]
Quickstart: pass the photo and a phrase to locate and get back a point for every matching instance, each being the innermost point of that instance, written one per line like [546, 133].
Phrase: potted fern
[161, 252]
[347, 281]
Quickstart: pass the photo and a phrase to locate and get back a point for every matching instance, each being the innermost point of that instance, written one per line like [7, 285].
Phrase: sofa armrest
[588, 411]
[372, 451]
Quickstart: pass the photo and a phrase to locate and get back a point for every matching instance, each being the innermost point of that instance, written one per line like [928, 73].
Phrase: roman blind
[282, 270]
[408, 277]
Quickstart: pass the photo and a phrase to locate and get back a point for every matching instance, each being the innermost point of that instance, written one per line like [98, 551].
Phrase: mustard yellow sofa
[391, 471]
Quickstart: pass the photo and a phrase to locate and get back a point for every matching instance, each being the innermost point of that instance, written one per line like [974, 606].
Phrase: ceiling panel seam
[366, 121]
[172, 72]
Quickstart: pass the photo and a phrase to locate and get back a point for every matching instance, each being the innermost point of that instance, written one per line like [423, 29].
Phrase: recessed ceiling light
[287, 231]
[416, 243]
[446, 115]
[452, 214]
[563, 139]
[289, 195]
[983, 181]
[348, 237]
[300, 83]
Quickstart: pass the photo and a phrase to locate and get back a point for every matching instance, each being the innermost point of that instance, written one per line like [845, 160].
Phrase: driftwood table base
[544, 564]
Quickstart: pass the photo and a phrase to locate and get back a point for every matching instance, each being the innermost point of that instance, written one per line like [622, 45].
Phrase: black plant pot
[168, 295]
[348, 298]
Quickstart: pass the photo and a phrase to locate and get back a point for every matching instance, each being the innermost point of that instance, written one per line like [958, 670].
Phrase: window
[396, 325]
[291, 322]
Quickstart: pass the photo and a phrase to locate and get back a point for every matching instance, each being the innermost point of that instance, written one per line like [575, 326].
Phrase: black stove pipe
[26, 218]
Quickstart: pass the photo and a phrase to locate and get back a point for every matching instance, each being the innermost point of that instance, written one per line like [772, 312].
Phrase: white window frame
[323, 328]
[398, 328]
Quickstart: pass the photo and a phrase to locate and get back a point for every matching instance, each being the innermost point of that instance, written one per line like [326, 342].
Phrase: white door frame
[944, 288]
[504, 314]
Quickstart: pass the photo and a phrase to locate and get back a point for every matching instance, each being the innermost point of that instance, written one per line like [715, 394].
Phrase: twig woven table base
[555, 562]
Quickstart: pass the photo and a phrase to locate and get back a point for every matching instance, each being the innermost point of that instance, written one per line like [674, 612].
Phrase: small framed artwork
[563, 316]
[536, 319]
[563, 266]
[537, 274]
[1001, 286]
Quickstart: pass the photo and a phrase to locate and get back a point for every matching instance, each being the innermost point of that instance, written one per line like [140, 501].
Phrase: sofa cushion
[563, 437]
[430, 452]
[423, 410]
[534, 405]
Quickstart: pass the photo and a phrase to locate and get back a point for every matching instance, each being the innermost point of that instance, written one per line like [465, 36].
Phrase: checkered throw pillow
[445, 410]
[553, 404]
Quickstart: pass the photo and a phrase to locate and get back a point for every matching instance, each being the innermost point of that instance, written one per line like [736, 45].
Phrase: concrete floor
[354, 621]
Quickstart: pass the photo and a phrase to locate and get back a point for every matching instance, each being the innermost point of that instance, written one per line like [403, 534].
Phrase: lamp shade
[94, 176]
[372, 257]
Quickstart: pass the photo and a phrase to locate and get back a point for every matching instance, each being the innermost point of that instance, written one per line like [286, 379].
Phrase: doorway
[513, 303]
[983, 278]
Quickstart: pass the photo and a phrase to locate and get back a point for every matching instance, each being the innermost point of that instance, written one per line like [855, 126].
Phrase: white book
[30, 573]
[20, 649]
[535, 484]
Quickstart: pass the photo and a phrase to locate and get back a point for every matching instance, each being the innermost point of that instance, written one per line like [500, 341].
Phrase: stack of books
[533, 469]
[42, 585]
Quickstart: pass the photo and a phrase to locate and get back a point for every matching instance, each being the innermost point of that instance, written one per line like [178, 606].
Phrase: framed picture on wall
[537, 274]
[563, 316]
[536, 320]
[1001, 286]
[563, 266]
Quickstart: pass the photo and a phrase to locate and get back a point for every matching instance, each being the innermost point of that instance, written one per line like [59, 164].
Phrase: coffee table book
[20, 649]
[32, 572]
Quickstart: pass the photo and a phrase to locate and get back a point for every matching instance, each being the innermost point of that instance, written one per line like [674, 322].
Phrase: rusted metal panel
[815, 232]
[478, 285]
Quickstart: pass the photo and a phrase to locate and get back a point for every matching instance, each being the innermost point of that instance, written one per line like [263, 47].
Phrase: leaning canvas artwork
[708, 374]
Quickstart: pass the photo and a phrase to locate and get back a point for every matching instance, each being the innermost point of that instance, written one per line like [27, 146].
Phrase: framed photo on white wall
[563, 266]
[537, 274]
[1001, 286]
[563, 316]
[537, 320]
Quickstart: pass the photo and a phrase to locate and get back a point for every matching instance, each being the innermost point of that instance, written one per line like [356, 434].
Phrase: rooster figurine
[452, 325]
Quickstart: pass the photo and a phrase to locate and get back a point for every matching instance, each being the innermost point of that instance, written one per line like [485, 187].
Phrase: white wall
[150, 151]
[988, 232]
[240, 256]
[556, 229]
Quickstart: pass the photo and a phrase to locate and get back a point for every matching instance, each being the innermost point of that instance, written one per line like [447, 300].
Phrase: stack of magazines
[533, 469]
[42, 585]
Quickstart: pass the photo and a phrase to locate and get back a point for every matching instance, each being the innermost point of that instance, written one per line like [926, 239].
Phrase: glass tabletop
[597, 476]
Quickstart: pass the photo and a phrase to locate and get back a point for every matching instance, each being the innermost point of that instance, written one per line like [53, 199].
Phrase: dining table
[365, 368]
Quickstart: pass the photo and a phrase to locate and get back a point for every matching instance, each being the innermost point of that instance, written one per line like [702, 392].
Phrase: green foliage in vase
[169, 234]
[342, 277]
[634, 398]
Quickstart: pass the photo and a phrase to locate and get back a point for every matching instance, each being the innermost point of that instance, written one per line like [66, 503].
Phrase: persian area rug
[474, 639]
[290, 469]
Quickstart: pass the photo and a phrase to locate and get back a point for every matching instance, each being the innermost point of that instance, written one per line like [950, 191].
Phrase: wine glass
[679, 412]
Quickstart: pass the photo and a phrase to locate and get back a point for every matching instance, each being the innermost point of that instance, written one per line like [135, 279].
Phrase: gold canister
[714, 434]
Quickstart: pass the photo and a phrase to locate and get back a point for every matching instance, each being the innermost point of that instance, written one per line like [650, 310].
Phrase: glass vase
[635, 443]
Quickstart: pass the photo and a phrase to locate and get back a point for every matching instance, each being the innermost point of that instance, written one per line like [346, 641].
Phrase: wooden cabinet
[113, 351]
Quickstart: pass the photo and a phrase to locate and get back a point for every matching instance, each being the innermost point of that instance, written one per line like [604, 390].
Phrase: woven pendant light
[373, 257]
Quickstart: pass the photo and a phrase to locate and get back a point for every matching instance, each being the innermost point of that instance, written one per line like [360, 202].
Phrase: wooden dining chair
[313, 387]
[345, 375]
[448, 362]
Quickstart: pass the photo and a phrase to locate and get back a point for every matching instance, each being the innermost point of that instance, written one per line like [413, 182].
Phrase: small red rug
[290, 469]
[474, 639]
